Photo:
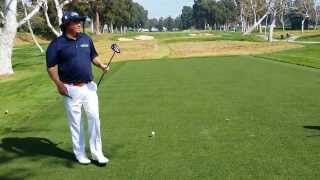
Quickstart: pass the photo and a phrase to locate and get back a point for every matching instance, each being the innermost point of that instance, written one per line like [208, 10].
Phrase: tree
[187, 17]
[124, 13]
[200, 13]
[160, 24]
[9, 31]
[138, 16]
[178, 23]
[152, 23]
[269, 9]
[306, 8]
[169, 23]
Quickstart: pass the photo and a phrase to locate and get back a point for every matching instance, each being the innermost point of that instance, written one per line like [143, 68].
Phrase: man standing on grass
[69, 59]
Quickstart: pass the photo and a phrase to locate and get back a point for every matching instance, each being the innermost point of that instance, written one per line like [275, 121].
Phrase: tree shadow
[312, 128]
[32, 147]
[21, 130]
[16, 174]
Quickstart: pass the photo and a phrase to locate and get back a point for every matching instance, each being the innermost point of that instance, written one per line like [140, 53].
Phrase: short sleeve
[52, 55]
[93, 51]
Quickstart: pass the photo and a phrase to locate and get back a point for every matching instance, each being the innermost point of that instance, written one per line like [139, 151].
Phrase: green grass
[306, 56]
[313, 38]
[237, 117]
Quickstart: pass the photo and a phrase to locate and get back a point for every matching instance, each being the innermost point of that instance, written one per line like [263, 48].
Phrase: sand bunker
[192, 34]
[220, 48]
[144, 38]
[125, 39]
[201, 34]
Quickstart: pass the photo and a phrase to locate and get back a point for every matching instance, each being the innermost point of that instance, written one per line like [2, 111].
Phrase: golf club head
[115, 48]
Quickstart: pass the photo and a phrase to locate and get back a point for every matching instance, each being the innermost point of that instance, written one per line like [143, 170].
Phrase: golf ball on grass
[6, 112]
[153, 133]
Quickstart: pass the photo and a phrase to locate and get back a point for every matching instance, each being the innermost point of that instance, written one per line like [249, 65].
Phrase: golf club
[116, 49]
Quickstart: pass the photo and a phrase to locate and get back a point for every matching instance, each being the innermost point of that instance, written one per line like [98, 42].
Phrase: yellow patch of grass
[133, 50]
[26, 39]
[296, 33]
[219, 48]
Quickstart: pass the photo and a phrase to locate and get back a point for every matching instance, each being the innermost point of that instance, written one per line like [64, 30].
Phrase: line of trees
[104, 15]
[246, 15]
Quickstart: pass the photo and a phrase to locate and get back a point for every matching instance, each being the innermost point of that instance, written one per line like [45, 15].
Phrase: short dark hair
[64, 26]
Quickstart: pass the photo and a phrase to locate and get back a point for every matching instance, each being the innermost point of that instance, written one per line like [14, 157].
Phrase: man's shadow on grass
[312, 128]
[33, 147]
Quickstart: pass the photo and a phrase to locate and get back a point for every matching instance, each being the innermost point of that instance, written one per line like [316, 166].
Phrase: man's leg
[73, 108]
[91, 106]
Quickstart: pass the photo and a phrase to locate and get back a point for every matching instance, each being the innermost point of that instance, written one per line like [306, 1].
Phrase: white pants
[84, 97]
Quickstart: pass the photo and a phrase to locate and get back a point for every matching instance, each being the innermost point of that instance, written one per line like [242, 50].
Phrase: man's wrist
[59, 83]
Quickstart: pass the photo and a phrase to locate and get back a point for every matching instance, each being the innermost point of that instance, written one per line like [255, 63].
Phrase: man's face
[74, 27]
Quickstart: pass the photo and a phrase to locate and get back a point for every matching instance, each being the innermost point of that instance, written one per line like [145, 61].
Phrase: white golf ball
[6, 112]
[153, 133]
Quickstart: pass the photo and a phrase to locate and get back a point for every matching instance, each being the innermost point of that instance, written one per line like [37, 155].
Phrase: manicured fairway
[236, 117]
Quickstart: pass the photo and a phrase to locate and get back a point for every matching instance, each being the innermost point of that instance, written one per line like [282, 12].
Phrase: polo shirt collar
[79, 35]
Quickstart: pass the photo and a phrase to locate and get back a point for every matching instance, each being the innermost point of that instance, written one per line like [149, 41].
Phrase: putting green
[237, 117]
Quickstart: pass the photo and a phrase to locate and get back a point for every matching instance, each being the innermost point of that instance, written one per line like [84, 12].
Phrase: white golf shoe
[101, 159]
[83, 160]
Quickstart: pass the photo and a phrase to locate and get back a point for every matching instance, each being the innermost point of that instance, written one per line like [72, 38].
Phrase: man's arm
[97, 62]
[53, 73]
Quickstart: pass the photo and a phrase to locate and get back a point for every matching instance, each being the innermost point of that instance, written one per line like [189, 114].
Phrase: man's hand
[96, 61]
[104, 67]
[53, 73]
[62, 89]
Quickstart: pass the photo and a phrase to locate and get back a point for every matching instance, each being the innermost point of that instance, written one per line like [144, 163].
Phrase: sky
[164, 8]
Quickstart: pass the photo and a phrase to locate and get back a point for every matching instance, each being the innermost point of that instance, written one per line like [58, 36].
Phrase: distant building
[154, 29]
[144, 30]
[28, 2]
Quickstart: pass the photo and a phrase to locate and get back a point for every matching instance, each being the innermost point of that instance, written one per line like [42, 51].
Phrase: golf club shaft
[104, 72]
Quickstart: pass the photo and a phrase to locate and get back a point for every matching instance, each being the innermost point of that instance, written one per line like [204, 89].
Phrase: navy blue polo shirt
[73, 57]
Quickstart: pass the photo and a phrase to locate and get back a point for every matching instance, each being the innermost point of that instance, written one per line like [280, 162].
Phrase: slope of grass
[236, 117]
[306, 56]
[313, 38]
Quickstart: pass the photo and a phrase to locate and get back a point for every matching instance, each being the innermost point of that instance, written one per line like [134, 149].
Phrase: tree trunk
[92, 26]
[30, 29]
[97, 23]
[272, 26]
[302, 25]
[282, 22]
[242, 18]
[111, 28]
[265, 29]
[7, 37]
[50, 25]
[253, 8]
[249, 31]
[59, 12]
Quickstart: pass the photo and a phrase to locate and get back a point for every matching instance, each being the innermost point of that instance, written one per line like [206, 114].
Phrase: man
[69, 59]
